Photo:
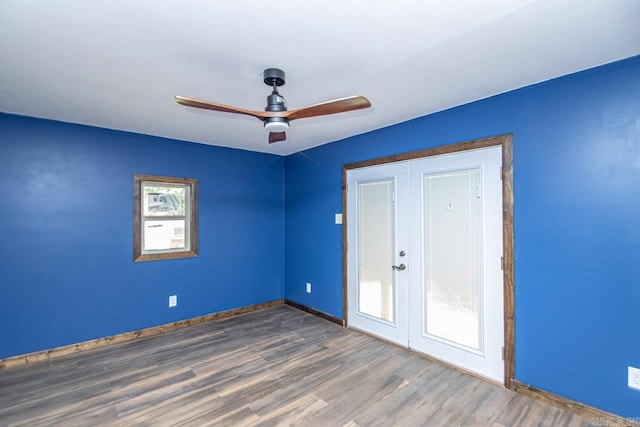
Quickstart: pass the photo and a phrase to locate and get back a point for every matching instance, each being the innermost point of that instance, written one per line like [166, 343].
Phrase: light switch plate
[173, 300]
[339, 218]
[634, 378]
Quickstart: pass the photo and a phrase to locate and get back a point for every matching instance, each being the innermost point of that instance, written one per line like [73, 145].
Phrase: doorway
[424, 253]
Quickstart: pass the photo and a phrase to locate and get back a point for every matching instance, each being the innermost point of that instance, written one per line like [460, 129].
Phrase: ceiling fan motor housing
[275, 102]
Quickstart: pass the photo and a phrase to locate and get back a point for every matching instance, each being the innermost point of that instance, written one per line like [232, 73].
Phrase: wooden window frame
[192, 217]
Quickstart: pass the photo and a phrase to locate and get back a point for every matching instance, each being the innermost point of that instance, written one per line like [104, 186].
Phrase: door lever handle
[399, 267]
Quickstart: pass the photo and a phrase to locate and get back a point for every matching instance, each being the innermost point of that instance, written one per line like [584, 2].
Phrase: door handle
[399, 267]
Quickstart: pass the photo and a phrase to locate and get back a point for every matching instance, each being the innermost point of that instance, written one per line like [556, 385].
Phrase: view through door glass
[375, 241]
[452, 256]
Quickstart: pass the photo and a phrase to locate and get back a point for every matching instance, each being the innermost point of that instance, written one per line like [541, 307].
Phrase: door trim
[506, 141]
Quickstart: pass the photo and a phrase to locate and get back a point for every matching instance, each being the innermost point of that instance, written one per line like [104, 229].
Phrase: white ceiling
[118, 63]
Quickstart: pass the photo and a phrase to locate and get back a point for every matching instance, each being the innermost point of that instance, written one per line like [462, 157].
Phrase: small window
[165, 217]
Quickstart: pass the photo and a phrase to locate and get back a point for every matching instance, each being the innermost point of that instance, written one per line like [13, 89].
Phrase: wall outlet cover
[173, 300]
[308, 288]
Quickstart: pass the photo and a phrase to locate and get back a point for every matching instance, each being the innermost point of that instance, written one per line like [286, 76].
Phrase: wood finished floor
[279, 366]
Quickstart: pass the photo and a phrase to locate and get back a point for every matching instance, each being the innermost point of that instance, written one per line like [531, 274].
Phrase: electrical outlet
[308, 287]
[173, 300]
[634, 378]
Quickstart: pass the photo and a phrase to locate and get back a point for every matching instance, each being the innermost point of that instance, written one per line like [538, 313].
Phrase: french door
[424, 256]
[378, 293]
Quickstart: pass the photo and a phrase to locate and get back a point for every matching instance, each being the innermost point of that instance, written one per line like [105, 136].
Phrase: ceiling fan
[275, 116]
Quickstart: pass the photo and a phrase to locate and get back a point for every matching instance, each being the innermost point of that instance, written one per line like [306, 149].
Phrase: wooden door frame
[506, 142]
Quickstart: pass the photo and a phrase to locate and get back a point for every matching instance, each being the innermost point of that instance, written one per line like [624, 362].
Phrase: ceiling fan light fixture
[276, 124]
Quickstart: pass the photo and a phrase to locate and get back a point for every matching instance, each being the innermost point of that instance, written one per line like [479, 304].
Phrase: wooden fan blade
[330, 107]
[277, 137]
[208, 105]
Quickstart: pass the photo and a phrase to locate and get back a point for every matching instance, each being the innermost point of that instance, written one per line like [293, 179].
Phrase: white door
[377, 293]
[446, 213]
[456, 306]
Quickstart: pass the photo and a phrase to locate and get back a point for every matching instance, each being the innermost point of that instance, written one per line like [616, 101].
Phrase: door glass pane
[375, 249]
[452, 239]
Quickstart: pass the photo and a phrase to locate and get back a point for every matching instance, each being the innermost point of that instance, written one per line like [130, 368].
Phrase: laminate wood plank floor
[279, 366]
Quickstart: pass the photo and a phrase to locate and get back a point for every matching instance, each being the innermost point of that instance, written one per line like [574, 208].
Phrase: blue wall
[577, 223]
[66, 269]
